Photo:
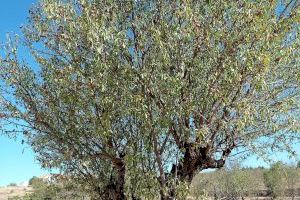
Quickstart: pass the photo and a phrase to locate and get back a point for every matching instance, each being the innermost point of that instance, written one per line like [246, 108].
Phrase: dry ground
[12, 191]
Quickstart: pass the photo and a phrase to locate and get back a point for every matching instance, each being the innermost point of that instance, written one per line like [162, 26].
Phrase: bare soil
[13, 191]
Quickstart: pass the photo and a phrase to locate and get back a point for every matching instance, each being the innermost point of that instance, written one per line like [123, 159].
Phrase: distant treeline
[278, 181]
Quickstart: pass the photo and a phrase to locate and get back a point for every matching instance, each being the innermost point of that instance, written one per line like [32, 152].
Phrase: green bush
[54, 191]
[291, 176]
[36, 182]
[12, 184]
[275, 180]
[230, 184]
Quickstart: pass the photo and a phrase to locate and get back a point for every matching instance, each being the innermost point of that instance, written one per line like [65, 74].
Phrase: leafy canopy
[158, 88]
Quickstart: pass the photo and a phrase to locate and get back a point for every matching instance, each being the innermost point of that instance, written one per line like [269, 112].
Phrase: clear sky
[17, 163]
[13, 14]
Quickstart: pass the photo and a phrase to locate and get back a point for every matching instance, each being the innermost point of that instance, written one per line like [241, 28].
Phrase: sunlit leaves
[147, 82]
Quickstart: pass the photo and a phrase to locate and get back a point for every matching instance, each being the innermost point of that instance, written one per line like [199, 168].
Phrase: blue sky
[17, 161]
[13, 14]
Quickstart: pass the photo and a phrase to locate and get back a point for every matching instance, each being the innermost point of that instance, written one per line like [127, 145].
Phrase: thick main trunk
[120, 183]
[194, 160]
[166, 197]
[115, 189]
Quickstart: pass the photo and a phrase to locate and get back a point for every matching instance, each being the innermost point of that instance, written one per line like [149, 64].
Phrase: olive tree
[134, 97]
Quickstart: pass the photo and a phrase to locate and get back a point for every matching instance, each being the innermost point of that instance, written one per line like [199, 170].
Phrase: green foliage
[292, 176]
[230, 184]
[12, 184]
[36, 182]
[244, 183]
[240, 183]
[274, 180]
[54, 191]
[46, 192]
[281, 180]
[124, 87]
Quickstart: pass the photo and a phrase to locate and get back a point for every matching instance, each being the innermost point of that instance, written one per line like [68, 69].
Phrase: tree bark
[115, 189]
[194, 160]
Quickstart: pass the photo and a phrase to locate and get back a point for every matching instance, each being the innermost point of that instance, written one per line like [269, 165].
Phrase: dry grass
[13, 191]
